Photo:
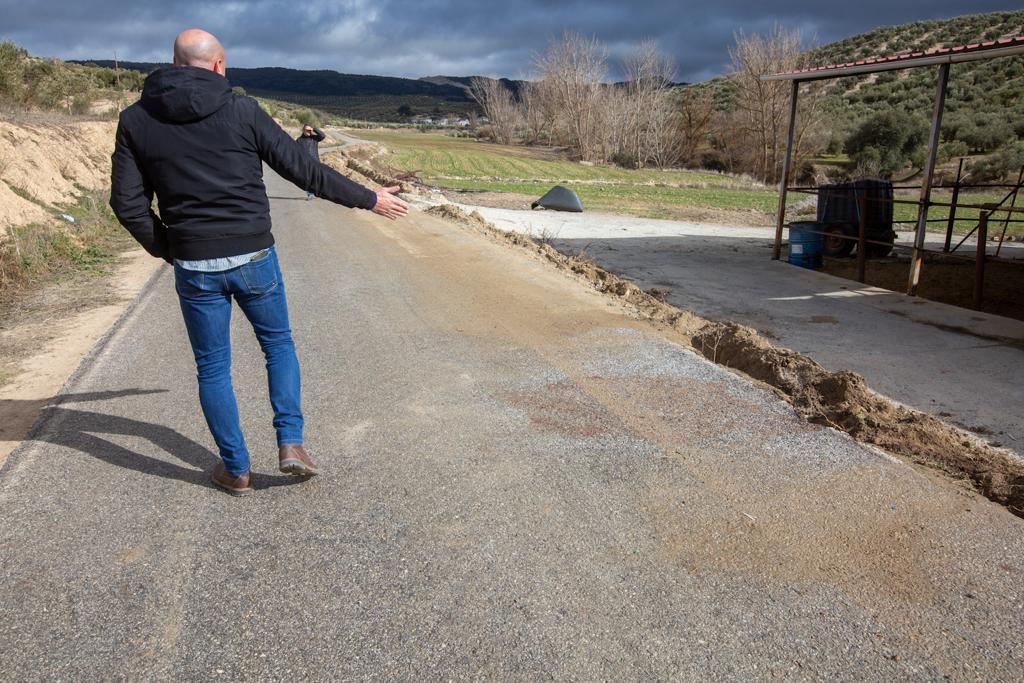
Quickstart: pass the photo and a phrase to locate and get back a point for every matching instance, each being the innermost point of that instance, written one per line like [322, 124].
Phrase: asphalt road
[521, 483]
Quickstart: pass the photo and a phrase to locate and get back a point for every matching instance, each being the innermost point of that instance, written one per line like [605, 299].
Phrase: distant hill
[357, 96]
[463, 82]
[980, 105]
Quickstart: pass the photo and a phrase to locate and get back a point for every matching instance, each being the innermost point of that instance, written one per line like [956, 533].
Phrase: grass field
[466, 164]
[966, 218]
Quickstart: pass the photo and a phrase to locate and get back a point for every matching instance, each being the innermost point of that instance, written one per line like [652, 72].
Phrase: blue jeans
[205, 301]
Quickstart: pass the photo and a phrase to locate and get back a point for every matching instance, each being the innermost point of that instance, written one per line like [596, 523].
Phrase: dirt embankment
[45, 165]
[839, 399]
[70, 281]
[354, 162]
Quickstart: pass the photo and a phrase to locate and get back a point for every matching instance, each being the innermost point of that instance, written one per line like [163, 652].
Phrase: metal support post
[979, 261]
[926, 184]
[784, 183]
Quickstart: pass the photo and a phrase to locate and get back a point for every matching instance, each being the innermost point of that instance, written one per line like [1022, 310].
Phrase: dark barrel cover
[559, 198]
[838, 203]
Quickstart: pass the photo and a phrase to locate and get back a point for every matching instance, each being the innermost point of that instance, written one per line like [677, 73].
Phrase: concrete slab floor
[965, 366]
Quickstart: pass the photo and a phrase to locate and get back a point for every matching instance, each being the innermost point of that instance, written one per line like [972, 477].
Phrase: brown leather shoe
[236, 486]
[295, 460]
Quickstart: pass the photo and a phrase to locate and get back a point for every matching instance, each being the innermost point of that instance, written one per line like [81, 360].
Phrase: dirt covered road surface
[521, 481]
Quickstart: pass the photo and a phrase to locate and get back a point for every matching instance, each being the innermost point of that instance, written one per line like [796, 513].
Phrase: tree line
[571, 105]
[646, 119]
[735, 124]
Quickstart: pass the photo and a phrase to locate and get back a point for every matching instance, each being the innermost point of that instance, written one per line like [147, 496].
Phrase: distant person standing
[200, 149]
[310, 141]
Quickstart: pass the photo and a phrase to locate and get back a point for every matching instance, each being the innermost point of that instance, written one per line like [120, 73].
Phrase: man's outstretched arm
[131, 198]
[292, 163]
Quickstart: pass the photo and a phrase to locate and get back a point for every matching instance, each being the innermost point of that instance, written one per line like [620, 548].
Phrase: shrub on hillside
[29, 82]
[887, 141]
[304, 116]
[12, 86]
[1004, 162]
[985, 132]
[953, 149]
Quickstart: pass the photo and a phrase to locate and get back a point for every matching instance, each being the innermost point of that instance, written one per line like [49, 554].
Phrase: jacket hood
[184, 93]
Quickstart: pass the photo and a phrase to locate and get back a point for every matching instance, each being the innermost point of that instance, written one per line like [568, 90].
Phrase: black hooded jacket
[199, 148]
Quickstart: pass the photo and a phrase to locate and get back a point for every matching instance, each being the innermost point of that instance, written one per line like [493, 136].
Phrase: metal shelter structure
[940, 57]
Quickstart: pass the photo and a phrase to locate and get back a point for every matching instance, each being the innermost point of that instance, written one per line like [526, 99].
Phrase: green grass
[966, 218]
[643, 200]
[836, 160]
[466, 164]
[442, 157]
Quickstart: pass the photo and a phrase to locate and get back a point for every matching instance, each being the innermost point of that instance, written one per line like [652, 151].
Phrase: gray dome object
[559, 198]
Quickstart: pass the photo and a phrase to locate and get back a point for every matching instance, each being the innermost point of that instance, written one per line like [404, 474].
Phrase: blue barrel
[805, 244]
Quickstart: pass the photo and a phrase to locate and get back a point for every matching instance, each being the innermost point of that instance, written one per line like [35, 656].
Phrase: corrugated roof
[907, 59]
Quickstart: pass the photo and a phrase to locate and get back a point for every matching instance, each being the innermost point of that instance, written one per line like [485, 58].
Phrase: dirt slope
[44, 165]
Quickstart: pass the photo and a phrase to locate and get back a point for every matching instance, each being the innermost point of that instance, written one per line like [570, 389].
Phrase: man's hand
[388, 205]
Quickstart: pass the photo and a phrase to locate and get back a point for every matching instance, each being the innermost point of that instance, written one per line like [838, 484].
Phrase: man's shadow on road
[77, 429]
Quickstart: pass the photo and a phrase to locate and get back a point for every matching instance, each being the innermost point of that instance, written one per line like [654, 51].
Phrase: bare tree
[535, 113]
[664, 139]
[762, 106]
[499, 107]
[696, 111]
[613, 119]
[574, 70]
[649, 75]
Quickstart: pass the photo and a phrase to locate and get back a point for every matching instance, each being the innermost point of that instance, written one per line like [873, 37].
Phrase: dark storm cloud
[426, 37]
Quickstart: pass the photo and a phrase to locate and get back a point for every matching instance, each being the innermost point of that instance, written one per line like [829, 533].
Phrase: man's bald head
[196, 47]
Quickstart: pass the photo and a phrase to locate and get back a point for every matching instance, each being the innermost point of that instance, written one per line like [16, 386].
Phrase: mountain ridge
[978, 89]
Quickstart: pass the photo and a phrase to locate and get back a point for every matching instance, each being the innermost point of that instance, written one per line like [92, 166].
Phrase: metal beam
[895, 65]
[926, 182]
[784, 183]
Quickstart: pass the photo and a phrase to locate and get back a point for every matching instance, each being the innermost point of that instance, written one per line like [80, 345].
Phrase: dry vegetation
[57, 233]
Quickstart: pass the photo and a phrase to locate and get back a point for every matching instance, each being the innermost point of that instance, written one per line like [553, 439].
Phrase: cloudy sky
[426, 37]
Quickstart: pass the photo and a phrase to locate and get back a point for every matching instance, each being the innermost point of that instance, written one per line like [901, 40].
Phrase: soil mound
[456, 214]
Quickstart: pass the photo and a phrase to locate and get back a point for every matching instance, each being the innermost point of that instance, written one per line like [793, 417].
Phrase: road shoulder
[63, 343]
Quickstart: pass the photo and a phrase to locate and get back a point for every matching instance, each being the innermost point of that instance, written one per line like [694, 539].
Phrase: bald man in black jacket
[200, 149]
